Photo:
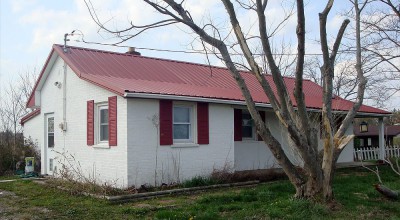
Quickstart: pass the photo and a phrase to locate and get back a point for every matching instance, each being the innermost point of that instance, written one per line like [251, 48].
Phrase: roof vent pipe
[131, 50]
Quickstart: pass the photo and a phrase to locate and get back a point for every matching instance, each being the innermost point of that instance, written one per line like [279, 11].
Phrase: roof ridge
[167, 60]
[145, 57]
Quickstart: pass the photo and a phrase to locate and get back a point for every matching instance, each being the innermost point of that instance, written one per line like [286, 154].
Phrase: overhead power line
[205, 53]
[186, 51]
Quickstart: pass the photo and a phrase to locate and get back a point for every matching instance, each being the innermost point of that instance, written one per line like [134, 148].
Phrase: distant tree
[395, 118]
[13, 108]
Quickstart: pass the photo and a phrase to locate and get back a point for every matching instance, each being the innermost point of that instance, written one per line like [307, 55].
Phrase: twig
[374, 171]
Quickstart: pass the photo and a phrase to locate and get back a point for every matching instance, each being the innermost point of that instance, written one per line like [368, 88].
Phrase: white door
[49, 146]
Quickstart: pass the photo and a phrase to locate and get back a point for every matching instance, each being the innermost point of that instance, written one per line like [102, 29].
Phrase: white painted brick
[193, 161]
[108, 165]
[133, 161]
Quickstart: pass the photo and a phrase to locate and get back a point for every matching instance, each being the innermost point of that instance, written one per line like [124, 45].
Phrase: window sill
[250, 141]
[102, 146]
[183, 145]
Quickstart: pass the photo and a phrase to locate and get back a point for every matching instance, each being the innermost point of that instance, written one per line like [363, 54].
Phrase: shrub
[11, 154]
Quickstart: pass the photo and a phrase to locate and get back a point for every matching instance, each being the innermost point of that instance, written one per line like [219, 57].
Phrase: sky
[29, 28]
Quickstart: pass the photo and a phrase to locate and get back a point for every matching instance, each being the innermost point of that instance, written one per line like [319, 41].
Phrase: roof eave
[29, 116]
[129, 94]
[189, 98]
[31, 100]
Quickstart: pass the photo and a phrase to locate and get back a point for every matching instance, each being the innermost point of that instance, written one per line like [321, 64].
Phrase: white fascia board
[47, 71]
[40, 84]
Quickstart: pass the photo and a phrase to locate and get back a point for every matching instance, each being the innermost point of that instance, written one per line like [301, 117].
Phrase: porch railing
[372, 153]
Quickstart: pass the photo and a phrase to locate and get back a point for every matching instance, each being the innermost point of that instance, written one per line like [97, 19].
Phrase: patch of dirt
[143, 206]
[4, 193]
[12, 207]
[335, 206]
[167, 201]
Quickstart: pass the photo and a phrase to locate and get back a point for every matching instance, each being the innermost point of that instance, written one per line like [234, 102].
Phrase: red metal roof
[29, 116]
[120, 73]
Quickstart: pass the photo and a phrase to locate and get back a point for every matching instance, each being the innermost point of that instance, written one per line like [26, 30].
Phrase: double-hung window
[182, 123]
[248, 128]
[103, 123]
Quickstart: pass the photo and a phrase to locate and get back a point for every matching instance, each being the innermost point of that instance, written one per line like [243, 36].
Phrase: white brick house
[132, 120]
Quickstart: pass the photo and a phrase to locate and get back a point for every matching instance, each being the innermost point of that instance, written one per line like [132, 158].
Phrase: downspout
[64, 86]
[65, 98]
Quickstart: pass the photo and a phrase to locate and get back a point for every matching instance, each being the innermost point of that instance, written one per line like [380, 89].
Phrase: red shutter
[202, 123]
[112, 121]
[166, 122]
[90, 123]
[262, 114]
[237, 125]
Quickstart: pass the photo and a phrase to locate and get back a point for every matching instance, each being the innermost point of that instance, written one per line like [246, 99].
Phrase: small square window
[103, 123]
[182, 123]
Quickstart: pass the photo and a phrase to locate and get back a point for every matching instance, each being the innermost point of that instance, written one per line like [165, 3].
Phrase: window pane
[50, 140]
[181, 114]
[50, 124]
[104, 116]
[51, 164]
[247, 120]
[247, 131]
[103, 132]
[181, 131]
[247, 125]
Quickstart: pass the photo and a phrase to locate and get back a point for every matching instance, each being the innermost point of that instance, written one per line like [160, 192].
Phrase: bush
[11, 154]
[396, 140]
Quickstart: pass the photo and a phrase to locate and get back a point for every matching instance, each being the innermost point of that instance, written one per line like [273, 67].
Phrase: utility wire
[203, 52]
[186, 51]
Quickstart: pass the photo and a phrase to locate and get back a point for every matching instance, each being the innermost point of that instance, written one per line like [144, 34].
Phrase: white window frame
[369, 142]
[253, 128]
[100, 107]
[192, 123]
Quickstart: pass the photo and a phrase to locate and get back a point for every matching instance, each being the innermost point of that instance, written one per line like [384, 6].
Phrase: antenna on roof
[65, 40]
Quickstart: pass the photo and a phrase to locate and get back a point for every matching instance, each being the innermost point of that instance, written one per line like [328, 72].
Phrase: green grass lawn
[353, 189]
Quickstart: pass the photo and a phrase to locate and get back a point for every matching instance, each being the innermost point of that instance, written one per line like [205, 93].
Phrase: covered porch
[372, 141]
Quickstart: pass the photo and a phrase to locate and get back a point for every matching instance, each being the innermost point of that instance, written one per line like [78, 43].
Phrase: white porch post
[381, 139]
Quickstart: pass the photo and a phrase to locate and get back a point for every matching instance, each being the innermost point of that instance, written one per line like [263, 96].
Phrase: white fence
[372, 153]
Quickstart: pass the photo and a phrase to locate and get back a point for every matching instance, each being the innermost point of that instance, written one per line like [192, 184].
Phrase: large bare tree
[314, 178]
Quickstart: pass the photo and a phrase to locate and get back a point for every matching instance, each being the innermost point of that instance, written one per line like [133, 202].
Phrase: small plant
[200, 181]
